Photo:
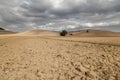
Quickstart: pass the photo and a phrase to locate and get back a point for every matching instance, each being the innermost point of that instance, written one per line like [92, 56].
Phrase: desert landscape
[59, 39]
[44, 55]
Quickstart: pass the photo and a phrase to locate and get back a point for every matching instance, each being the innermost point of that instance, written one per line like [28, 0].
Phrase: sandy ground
[59, 58]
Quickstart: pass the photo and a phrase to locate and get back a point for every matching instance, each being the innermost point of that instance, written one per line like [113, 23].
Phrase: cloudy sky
[21, 15]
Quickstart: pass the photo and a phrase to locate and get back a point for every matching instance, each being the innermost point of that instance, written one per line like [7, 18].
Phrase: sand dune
[94, 33]
[6, 32]
[59, 58]
[39, 33]
[81, 33]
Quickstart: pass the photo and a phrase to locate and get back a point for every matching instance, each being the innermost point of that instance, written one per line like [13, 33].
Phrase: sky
[22, 15]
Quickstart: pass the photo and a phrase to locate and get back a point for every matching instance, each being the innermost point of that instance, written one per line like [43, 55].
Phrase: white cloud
[71, 26]
[101, 24]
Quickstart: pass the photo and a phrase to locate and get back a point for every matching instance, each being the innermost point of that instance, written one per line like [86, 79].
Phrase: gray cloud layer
[20, 15]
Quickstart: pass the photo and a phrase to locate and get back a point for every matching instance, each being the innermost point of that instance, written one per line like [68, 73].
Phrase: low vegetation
[63, 33]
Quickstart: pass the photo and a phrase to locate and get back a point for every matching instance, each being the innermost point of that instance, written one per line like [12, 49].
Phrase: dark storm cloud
[11, 17]
[21, 15]
[36, 6]
[87, 6]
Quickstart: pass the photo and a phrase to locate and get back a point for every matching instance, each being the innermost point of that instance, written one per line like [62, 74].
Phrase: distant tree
[63, 33]
[87, 31]
[71, 34]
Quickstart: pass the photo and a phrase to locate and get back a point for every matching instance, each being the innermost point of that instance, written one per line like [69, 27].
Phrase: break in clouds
[21, 15]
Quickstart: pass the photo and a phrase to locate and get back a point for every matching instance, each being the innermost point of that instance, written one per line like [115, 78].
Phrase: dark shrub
[63, 33]
[87, 31]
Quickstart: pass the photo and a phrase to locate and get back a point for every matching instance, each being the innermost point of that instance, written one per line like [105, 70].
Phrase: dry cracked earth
[37, 58]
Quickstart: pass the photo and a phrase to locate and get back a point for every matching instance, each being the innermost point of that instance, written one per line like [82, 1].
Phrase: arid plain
[30, 57]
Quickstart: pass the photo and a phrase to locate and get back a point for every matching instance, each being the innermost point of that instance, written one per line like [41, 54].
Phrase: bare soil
[59, 58]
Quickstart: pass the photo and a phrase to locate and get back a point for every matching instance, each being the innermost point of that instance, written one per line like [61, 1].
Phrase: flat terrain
[59, 58]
